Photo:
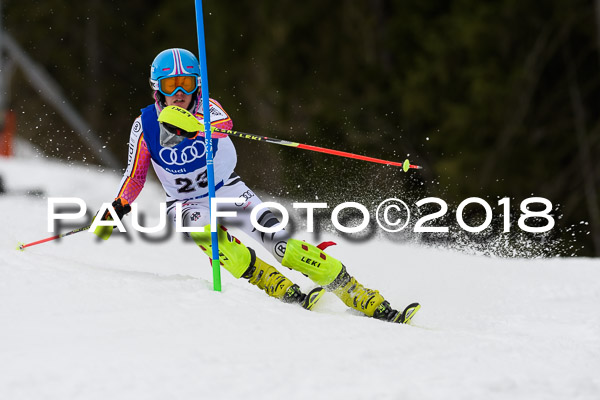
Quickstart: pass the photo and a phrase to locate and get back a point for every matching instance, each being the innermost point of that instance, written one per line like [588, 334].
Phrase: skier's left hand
[121, 207]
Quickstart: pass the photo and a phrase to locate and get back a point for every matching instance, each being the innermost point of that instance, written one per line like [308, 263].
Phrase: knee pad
[234, 256]
[311, 261]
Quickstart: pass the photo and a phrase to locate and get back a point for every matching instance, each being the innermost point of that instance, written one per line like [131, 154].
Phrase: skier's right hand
[174, 130]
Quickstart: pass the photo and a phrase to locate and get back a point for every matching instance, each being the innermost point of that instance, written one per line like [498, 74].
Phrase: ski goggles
[172, 84]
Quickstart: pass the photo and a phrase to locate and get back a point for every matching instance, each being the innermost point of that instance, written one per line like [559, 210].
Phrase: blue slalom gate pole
[210, 170]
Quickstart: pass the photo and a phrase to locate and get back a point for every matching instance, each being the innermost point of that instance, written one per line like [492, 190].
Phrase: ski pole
[22, 246]
[406, 165]
[183, 119]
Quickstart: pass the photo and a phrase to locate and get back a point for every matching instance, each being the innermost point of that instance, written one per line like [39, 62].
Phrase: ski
[409, 312]
[312, 298]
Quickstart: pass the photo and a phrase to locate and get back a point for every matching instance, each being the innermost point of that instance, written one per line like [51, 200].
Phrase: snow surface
[88, 319]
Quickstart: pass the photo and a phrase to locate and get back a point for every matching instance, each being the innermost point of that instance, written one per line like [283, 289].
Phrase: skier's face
[179, 99]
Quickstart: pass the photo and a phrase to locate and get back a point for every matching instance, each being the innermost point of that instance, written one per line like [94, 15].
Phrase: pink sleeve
[137, 169]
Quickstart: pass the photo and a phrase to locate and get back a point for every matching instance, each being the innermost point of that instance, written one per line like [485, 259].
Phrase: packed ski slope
[82, 319]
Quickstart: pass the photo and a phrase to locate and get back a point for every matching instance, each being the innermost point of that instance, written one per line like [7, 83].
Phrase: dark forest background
[493, 98]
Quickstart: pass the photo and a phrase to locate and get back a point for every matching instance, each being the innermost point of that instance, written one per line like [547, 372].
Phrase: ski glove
[174, 130]
[121, 207]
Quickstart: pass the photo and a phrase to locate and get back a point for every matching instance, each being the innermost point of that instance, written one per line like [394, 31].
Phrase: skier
[178, 158]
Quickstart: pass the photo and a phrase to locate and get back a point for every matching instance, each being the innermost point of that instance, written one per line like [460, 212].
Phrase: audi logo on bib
[173, 156]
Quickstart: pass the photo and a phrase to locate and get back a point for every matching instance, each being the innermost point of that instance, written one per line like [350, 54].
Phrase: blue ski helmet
[173, 63]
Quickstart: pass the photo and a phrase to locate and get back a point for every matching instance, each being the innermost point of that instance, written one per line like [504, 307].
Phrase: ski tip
[313, 298]
[409, 312]
[21, 246]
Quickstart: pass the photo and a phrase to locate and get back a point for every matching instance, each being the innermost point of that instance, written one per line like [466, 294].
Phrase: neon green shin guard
[233, 255]
[311, 261]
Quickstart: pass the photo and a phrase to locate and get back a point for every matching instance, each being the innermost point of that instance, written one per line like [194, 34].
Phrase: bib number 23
[186, 185]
